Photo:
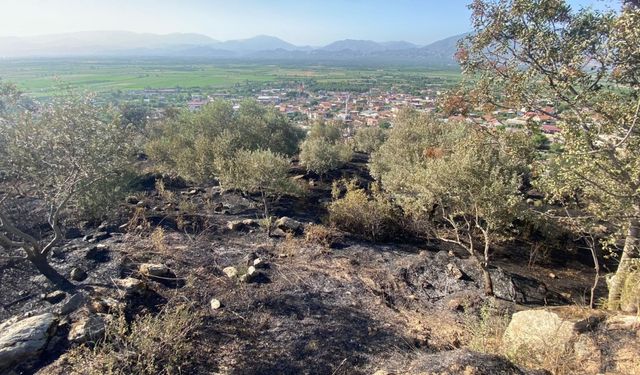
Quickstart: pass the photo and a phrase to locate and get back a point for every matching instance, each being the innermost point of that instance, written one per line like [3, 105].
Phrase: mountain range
[262, 47]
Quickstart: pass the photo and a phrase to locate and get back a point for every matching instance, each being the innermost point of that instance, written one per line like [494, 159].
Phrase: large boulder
[546, 333]
[24, 339]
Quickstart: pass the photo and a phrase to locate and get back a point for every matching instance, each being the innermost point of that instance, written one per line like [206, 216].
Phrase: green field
[41, 77]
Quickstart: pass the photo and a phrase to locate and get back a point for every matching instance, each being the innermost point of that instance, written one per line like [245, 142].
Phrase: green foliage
[323, 149]
[259, 172]
[372, 216]
[586, 61]
[369, 139]
[198, 145]
[465, 178]
[72, 154]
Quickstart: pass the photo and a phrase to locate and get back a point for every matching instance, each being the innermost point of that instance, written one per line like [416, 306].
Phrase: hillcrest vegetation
[232, 238]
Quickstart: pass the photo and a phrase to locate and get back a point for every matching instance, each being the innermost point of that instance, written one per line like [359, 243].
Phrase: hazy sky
[313, 22]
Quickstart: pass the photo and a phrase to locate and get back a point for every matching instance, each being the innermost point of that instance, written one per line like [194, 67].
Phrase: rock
[623, 322]
[239, 225]
[231, 272]
[78, 274]
[106, 305]
[287, 224]
[454, 271]
[24, 339]
[215, 304]
[463, 362]
[73, 303]
[249, 258]
[154, 270]
[539, 333]
[513, 287]
[259, 263]
[55, 297]
[278, 233]
[131, 286]
[250, 275]
[88, 328]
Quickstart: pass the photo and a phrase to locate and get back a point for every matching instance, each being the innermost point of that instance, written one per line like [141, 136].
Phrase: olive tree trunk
[630, 254]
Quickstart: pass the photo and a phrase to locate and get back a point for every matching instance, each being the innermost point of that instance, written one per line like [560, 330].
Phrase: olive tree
[197, 145]
[323, 149]
[61, 155]
[260, 172]
[527, 53]
[464, 179]
[369, 139]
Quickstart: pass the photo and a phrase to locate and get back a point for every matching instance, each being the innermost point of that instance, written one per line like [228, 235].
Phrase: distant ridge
[261, 47]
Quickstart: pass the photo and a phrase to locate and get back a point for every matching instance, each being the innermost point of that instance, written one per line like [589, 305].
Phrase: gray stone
[88, 328]
[154, 270]
[250, 275]
[239, 225]
[73, 303]
[106, 305]
[231, 272]
[130, 286]
[215, 304]
[24, 339]
[539, 333]
[259, 263]
[55, 297]
[278, 233]
[287, 224]
[454, 271]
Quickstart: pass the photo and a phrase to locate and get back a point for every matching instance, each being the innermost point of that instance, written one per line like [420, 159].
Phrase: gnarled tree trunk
[40, 262]
[630, 253]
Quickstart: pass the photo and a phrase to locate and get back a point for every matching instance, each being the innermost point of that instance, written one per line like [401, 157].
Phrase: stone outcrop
[24, 339]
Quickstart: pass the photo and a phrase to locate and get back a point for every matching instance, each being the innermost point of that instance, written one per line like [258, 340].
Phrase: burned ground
[351, 309]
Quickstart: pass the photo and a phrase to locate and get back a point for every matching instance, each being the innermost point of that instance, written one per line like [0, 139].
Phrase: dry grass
[485, 329]
[322, 235]
[158, 241]
[151, 345]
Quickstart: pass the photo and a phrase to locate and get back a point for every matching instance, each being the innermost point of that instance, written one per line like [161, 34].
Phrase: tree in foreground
[464, 179]
[259, 172]
[65, 156]
[526, 53]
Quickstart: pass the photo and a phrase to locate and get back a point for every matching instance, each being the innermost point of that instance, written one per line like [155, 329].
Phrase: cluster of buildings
[373, 108]
[379, 108]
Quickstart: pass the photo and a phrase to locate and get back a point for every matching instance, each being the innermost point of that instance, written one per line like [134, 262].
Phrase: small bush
[372, 216]
[152, 345]
[321, 235]
[158, 240]
[485, 330]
